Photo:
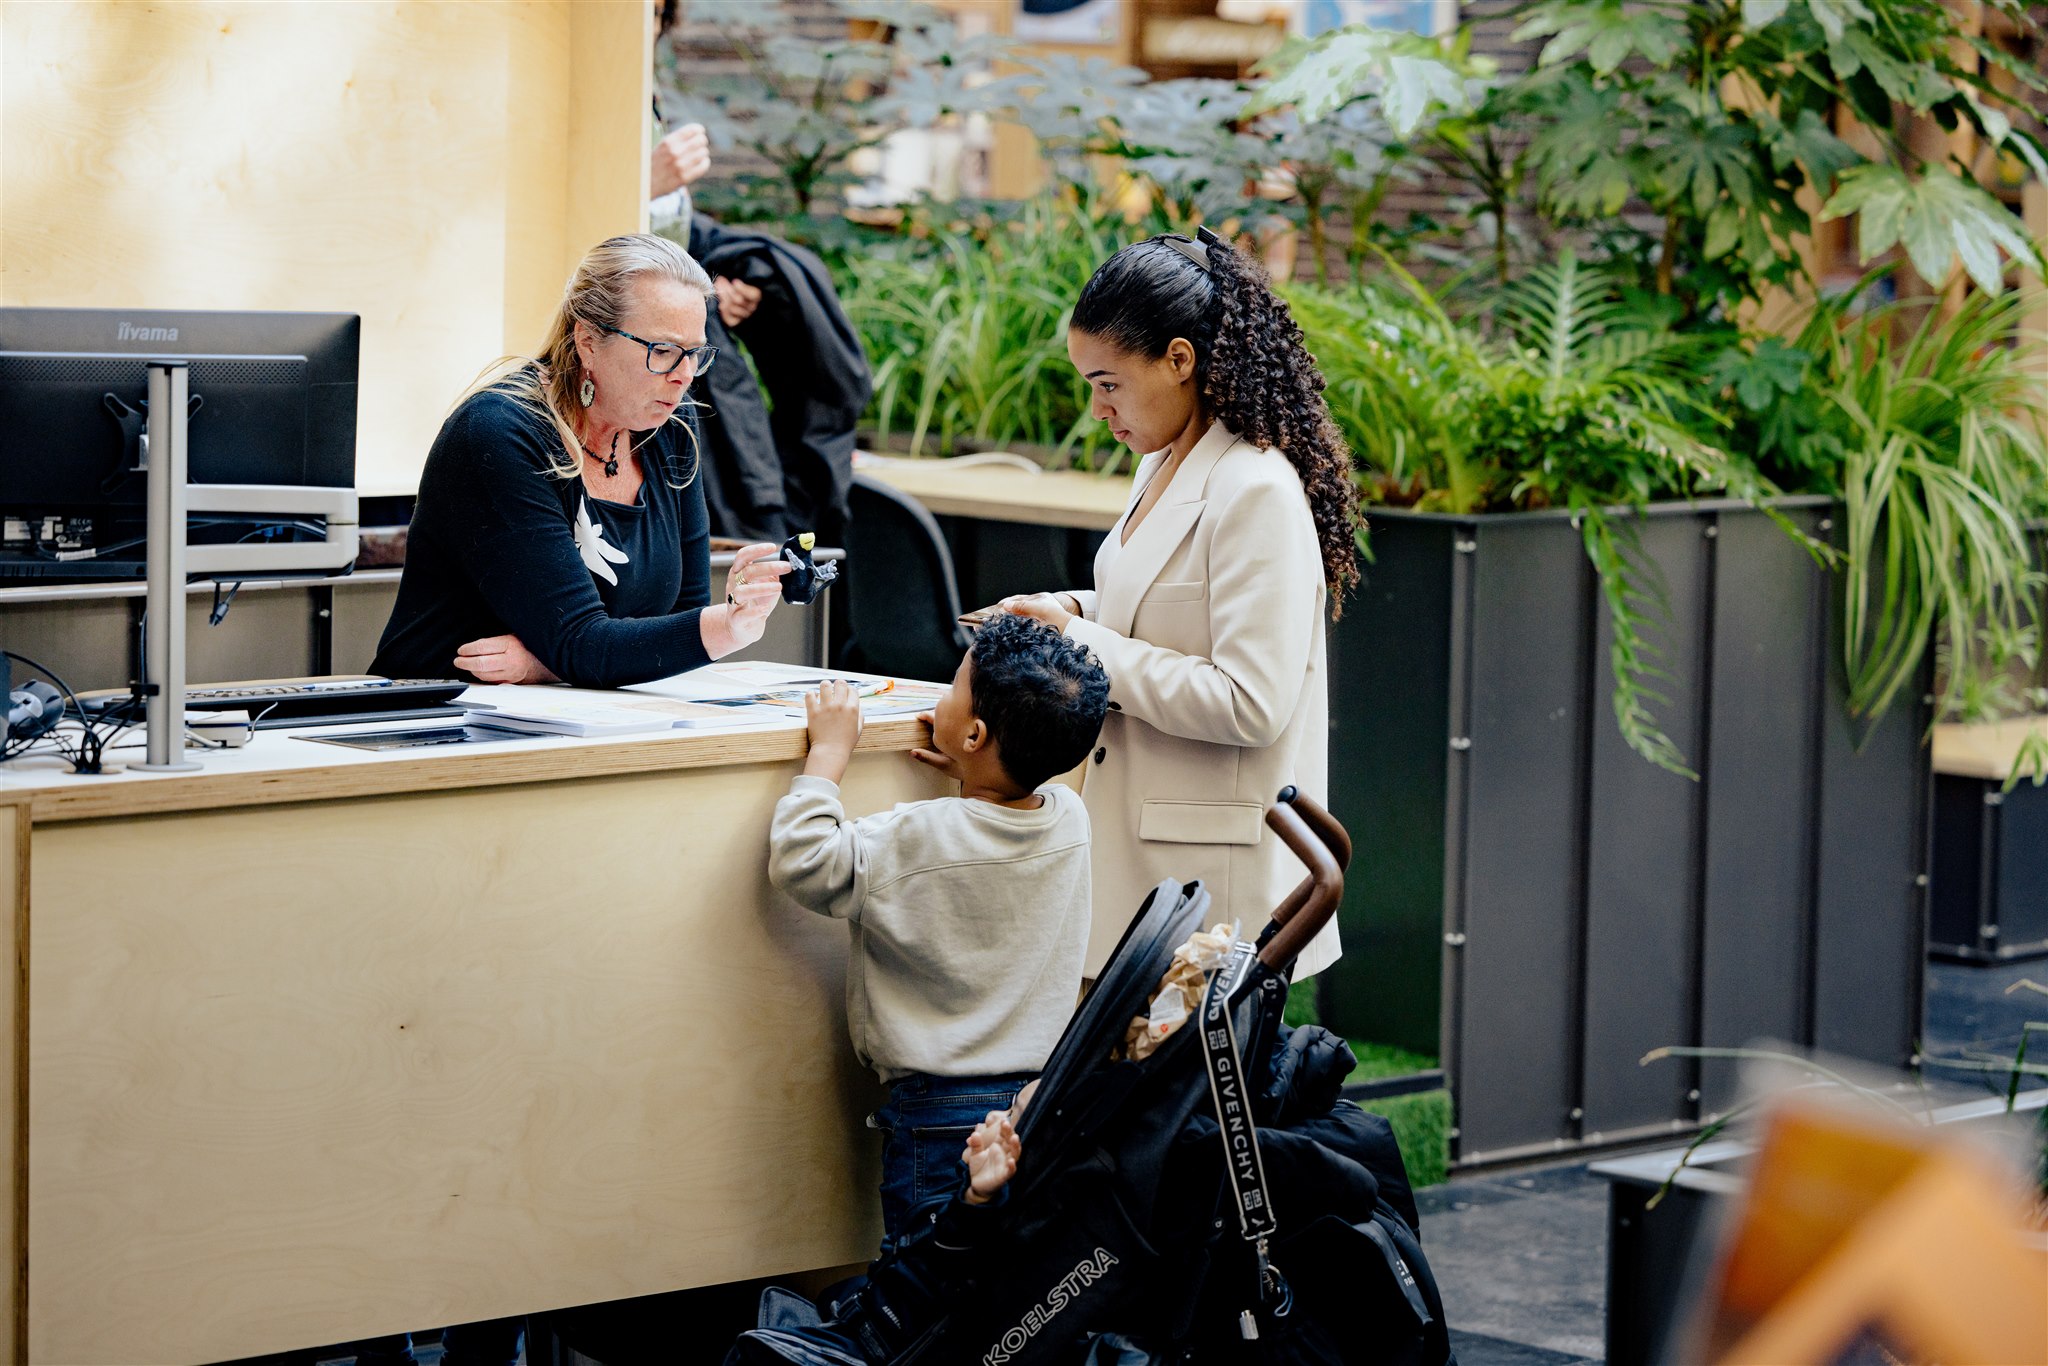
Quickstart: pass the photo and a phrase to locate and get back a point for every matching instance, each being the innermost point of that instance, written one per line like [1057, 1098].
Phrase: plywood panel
[14, 847]
[536, 204]
[611, 92]
[304, 1074]
[418, 164]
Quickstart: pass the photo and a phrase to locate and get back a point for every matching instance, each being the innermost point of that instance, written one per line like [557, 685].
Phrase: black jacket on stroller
[1127, 1236]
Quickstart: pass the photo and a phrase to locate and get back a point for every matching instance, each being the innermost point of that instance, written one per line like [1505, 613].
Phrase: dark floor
[1521, 1258]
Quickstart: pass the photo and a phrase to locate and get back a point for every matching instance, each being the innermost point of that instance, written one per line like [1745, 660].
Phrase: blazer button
[1100, 755]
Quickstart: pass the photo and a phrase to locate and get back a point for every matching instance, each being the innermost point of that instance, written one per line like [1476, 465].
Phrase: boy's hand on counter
[834, 715]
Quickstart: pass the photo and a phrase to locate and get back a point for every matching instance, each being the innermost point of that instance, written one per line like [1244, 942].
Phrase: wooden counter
[317, 1044]
[1985, 750]
[1006, 493]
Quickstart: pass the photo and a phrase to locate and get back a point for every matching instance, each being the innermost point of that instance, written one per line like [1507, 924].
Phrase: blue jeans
[924, 1124]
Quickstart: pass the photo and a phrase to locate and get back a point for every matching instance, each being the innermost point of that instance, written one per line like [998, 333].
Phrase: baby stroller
[1213, 1203]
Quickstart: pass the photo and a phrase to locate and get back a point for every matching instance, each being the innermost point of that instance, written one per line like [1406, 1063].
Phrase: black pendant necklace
[611, 462]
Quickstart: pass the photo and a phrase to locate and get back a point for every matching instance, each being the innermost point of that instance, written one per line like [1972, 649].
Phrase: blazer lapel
[1139, 561]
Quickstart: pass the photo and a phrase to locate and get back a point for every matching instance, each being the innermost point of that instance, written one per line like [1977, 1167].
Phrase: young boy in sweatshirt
[970, 914]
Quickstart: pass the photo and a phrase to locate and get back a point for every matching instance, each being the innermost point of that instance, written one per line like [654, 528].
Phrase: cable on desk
[91, 746]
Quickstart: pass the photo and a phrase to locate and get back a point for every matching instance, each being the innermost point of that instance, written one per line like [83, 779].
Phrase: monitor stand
[171, 557]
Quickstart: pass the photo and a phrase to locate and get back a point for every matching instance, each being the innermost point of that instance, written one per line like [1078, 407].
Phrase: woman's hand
[834, 715]
[752, 588]
[737, 300]
[933, 758]
[679, 159]
[1054, 609]
[502, 659]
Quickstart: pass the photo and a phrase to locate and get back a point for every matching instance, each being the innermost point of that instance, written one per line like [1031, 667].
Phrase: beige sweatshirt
[969, 922]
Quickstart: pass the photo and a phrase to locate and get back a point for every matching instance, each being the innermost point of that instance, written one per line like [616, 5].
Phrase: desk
[317, 1044]
[1987, 750]
[1003, 493]
[1011, 530]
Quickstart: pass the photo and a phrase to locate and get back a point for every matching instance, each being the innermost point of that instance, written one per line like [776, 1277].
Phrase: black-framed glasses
[663, 358]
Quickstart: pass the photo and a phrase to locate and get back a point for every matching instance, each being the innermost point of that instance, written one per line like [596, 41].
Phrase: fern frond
[1633, 596]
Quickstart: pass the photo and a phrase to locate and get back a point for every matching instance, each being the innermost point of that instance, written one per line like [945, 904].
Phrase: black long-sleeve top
[602, 593]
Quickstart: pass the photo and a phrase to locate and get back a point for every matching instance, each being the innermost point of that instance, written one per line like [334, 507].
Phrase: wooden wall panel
[537, 170]
[14, 847]
[611, 89]
[409, 162]
[306, 1073]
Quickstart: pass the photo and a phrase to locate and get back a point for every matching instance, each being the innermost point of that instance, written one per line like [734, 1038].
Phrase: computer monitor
[273, 401]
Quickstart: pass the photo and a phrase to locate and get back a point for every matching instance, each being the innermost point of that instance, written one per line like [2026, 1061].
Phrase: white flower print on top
[590, 541]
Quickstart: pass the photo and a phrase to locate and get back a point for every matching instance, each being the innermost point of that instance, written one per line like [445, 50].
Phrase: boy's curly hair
[1041, 695]
[1252, 369]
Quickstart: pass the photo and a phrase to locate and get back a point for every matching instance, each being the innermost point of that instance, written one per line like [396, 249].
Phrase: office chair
[903, 602]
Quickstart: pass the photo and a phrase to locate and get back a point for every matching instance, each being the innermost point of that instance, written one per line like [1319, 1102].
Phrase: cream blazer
[1210, 625]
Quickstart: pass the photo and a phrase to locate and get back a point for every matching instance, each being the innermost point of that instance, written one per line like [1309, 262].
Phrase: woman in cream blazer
[1211, 592]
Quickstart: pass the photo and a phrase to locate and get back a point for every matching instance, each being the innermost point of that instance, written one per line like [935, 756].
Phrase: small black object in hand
[806, 577]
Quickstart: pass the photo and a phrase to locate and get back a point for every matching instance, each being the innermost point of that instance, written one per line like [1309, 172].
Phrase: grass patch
[1422, 1122]
[1422, 1126]
[1376, 1060]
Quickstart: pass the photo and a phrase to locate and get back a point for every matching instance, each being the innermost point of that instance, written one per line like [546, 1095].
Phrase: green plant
[1569, 402]
[807, 104]
[1180, 136]
[1717, 115]
[1938, 446]
[1351, 157]
[1070, 105]
[1714, 118]
[967, 336]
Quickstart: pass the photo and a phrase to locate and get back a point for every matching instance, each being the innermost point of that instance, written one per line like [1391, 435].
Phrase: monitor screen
[273, 401]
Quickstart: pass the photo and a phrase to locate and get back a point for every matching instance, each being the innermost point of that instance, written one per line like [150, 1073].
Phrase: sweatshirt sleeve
[1265, 566]
[520, 552]
[815, 854]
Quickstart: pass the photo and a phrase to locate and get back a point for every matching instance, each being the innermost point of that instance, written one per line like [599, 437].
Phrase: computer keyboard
[277, 703]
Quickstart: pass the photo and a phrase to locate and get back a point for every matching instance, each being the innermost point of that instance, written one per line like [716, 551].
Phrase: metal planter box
[1538, 906]
[1990, 871]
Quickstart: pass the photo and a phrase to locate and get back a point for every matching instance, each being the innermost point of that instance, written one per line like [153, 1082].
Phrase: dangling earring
[588, 393]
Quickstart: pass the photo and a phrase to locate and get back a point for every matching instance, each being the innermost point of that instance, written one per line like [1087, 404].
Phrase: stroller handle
[1323, 846]
[1322, 823]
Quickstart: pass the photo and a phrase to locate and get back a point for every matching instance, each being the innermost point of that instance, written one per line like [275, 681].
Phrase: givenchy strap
[1242, 1162]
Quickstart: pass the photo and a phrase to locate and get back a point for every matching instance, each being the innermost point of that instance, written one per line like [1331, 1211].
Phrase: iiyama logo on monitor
[130, 332]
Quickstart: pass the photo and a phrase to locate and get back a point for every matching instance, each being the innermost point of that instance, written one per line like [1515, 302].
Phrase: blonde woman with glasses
[560, 531]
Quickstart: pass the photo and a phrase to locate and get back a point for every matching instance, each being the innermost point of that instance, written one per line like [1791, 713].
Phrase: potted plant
[1544, 898]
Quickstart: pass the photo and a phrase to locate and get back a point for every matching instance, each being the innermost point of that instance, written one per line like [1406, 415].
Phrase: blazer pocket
[1193, 591]
[1201, 822]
